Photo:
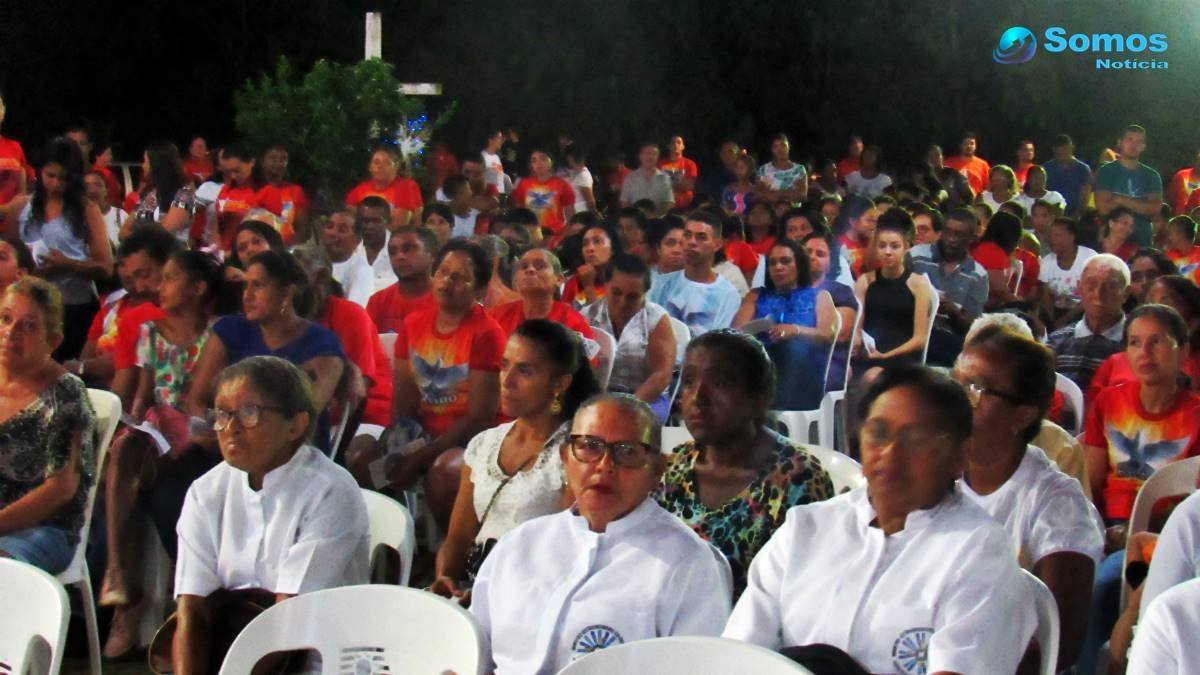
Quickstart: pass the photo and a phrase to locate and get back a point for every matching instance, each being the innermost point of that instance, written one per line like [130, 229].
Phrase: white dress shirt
[1177, 555]
[356, 276]
[553, 591]
[1165, 642]
[381, 269]
[305, 530]
[1043, 510]
[944, 593]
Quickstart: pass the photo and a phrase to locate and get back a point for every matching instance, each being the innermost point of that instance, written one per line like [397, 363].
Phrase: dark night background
[615, 72]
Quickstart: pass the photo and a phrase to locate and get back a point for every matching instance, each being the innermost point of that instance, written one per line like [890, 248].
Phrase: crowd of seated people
[454, 328]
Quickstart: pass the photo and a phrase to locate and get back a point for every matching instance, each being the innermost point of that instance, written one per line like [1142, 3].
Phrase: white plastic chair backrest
[673, 437]
[607, 356]
[858, 319]
[338, 432]
[683, 335]
[388, 340]
[845, 473]
[1074, 398]
[690, 655]
[837, 329]
[1015, 272]
[391, 524]
[934, 303]
[365, 629]
[1047, 631]
[107, 407]
[34, 613]
[1174, 479]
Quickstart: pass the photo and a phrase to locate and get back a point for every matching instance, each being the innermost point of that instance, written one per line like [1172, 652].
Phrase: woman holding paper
[795, 322]
[167, 351]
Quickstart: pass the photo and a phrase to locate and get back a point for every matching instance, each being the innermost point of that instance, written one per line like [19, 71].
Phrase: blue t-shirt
[1067, 179]
[243, 338]
[1135, 184]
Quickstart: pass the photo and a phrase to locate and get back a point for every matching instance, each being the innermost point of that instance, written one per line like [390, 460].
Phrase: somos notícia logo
[1018, 45]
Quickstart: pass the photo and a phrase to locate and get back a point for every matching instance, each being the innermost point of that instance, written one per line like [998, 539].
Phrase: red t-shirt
[286, 201]
[388, 307]
[12, 162]
[1183, 186]
[976, 169]
[741, 254]
[573, 294]
[116, 192]
[990, 256]
[198, 169]
[232, 204]
[512, 314]
[681, 168]
[546, 198]
[129, 327]
[1029, 274]
[360, 341]
[1138, 442]
[1116, 370]
[847, 166]
[441, 362]
[402, 193]
[763, 246]
[856, 252]
[617, 178]
[1022, 172]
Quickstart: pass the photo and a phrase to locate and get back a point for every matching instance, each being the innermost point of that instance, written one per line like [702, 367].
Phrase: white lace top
[536, 491]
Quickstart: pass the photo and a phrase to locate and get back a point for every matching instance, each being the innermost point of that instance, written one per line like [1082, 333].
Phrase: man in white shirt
[1177, 554]
[612, 569]
[696, 294]
[492, 166]
[1165, 643]
[372, 217]
[341, 235]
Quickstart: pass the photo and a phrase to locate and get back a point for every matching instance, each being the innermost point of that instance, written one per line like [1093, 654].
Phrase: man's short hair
[709, 218]
[377, 202]
[1133, 129]
[1062, 140]
[428, 239]
[454, 183]
[964, 215]
[157, 242]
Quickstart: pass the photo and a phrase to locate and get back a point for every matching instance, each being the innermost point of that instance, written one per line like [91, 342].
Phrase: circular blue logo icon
[910, 651]
[595, 637]
[1016, 45]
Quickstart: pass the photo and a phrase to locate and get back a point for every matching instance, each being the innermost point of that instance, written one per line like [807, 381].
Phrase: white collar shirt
[944, 593]
[1116, 332]
[1165, 643]
[305, 530]
[1043, 510]
[382, 266]
[356, 276]
[553, 591]
[1177, 555]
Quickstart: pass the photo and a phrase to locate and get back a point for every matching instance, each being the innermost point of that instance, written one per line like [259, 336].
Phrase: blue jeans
[1106, 600]
[50, 549]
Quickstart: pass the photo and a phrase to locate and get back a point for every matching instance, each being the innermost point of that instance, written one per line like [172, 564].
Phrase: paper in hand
[758, 326]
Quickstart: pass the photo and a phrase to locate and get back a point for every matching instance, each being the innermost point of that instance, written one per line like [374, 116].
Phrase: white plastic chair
[934, 303]
[34, 614]
[606, 358]
[800, 422]
[673, 437]
[108, 413]
[833, 400]
[1047, 632]
[1073, 396]
[685, 655]
[1177, 479]
[391, 525]
[683, 335]
[365, 629]
[845, 473]
[1016, 272]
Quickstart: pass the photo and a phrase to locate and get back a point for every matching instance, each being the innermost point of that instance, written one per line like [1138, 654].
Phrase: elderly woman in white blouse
[646, 347]
[513, 472]
[905, 575]
[277, 515]
[614, 568]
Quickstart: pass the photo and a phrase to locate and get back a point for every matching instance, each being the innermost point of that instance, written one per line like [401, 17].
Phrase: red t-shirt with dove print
[1138, 442]
[441, 362]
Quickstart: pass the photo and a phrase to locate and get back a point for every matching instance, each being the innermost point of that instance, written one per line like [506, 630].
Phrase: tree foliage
[329, 118]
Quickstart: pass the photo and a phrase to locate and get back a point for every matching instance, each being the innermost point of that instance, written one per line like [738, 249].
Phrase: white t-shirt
[553, 591]
[1064, 284]
[988, 198]
[583, 179]
[944, 593]
[464, 226]
[867, 187]
[536, 491]
[1165, 642]
[356, 276]
[1043, 510]
[493, 171]
[703, 307]
[1177, 555]
[1051, 197]
[733, 274]
[381, 268]
[112, 224]
[305, 530]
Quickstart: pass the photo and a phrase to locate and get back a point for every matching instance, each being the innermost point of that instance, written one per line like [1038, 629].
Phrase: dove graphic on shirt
[538, 199]
[1143, 457]
[437, 382]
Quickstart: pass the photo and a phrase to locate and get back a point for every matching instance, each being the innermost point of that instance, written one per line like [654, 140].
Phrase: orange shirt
[441, 362]
[285, 200]
[1179, 192]
[402, 193]
[682, 167]
[12, 162]
[546, 198]
[976, 169]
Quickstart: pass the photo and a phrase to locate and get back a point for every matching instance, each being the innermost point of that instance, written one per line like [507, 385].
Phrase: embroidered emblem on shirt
[437, 382]
[910, 652]
[595, 637]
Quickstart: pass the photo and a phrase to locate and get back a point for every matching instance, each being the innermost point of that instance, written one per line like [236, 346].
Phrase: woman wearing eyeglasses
[1054, 528]
[904, 575]
[612, 569]
[300, 517]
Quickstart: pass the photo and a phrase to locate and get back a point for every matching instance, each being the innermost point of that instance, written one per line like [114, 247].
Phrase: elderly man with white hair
[1079, 349]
